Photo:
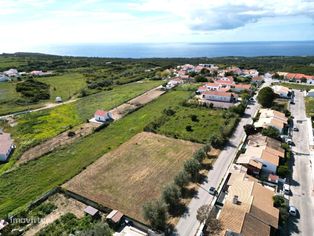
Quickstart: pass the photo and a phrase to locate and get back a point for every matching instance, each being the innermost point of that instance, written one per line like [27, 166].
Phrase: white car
[286, 189]
[293, 211]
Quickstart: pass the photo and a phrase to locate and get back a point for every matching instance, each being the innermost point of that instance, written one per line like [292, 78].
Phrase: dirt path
[55, 142]
[88, 128]
[64, 205]
[46, 106]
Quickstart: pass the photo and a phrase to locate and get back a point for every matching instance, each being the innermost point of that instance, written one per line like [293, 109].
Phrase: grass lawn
[206, 123]
[36, 127]
[29, 181]
[309, 105]
[134, 173]
[297, 86]
[64, 86]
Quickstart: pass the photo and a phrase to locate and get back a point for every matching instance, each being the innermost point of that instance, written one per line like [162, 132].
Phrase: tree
[283, 171]
[217, 141]
[266, 97]
[182, 179]
[202, 213]
[271, 132]
[155, 212]
[278, 200]
[249, 129]
[213, 226]
[171, 195]
[192, 166]
[189, 128]
[200, 79]
[199, 155]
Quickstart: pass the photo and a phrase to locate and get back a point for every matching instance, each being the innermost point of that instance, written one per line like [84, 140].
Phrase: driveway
[188, 224]
[302, 179]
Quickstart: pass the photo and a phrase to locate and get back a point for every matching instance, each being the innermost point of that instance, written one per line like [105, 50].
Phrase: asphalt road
[302, 196]
[188, 224]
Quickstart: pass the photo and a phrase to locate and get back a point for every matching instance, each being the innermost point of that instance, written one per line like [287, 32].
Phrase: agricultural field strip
[26, 183]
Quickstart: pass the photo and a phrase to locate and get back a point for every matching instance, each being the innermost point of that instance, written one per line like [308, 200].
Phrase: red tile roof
[101, 113]
[219, 93]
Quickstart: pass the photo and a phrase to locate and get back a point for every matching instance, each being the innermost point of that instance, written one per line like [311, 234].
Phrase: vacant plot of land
[134, 173]
[195, 124]
[27, 182]
[64, 86]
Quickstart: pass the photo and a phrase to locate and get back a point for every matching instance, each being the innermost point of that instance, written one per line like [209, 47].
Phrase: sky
[30, 24]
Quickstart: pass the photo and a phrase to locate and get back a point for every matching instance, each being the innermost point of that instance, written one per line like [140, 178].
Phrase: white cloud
[226, 14]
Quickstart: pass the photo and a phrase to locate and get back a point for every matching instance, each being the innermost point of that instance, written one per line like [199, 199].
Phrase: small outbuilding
[114, 217]
[103, 116]
[58, 99]
[93, 212]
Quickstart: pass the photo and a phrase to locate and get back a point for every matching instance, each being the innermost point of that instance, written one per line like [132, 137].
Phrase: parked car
[296, 129]
[293, 211]
[289, 141]
[212, 191]
[286, 189]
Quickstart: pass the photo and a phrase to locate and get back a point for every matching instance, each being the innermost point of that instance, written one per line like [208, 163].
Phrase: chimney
[235, 199]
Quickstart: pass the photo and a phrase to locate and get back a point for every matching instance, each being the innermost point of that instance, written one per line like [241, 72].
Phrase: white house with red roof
[103, 116]
[6, 146]
[299, 78]
[212, 86]
[220, 96]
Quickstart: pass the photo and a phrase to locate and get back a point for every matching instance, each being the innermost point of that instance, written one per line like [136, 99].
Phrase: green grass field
[28, 181]
[65, 86]
[309, 104]
[34, 128]
[207, 123]
[297, 86]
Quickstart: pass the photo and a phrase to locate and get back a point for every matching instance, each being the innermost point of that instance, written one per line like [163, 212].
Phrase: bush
[266, 97]
[279, 201]
[249, 129]
[33, 90]
[155, 213]
[71, 134]
[189, 128]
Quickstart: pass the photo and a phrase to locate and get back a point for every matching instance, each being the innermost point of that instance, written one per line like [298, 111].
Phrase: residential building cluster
[221, 86]
[14, 73]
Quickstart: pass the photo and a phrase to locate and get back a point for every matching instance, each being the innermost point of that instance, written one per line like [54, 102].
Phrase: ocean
[163, 50]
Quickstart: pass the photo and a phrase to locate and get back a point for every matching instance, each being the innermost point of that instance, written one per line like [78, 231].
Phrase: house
[11, 73]
[93, 212]
[258, 80]
[220, 96]
[227, 81]
[282, 91]
[299, 78]
[174, 82]
[248, 208]
[262, 154]
[251, 73]
[6, 146]
[103, 116]
[201, 89]
[310, 93]
[213, 86]
[240, 87]
[271, 118]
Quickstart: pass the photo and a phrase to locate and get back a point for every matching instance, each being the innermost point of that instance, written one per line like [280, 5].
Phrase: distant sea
[146, 50]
